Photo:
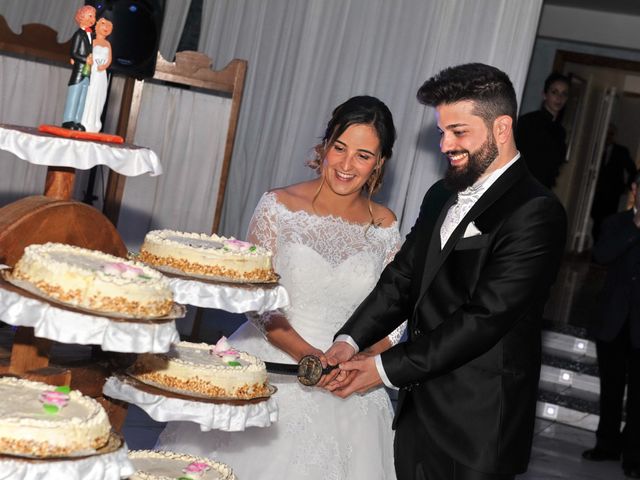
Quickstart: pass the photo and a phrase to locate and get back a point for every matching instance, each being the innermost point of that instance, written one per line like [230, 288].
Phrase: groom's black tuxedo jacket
[80, 49]
[472, 359]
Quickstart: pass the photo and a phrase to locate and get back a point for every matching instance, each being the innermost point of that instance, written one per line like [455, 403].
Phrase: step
[568, 346]
[568, 381]
[549, 409]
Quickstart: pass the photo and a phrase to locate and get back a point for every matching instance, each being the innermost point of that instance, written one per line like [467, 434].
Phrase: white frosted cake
[40, 420]
[154, 465]
[94, 280]
[210, 370]
[208, 255]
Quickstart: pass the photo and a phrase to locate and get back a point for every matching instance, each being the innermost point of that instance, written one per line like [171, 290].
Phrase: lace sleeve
[263, 231]
[392, 248]
[263, 224]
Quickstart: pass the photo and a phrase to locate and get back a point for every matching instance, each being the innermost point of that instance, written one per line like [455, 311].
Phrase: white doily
[109, 466]
[210, 416]
[235, 298]
[43, 149]
[66, 326]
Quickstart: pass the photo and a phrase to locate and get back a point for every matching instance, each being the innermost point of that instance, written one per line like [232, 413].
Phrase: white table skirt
[109, 466]
[44, 149]
[210, 416]
[235, 298]
[67, 326]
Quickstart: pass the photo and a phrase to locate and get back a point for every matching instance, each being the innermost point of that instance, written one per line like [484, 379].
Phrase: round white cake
[156, 465]
[208, 255]
[94, 280]
[41, 420]
[210, 370]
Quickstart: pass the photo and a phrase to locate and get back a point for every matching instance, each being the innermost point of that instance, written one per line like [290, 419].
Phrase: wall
[544, 53]
[590, 26]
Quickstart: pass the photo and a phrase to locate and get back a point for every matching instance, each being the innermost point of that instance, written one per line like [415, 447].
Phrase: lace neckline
[330, 217]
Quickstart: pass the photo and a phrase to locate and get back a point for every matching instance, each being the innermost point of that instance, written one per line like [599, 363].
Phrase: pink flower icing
[122, 269]
[196, 467]
[51, 397]
[225, 351]
[234, 244]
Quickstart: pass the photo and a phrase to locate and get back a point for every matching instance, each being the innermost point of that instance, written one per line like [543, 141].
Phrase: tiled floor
[557, 453]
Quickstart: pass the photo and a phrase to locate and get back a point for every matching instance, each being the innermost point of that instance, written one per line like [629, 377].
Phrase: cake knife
[309, 370]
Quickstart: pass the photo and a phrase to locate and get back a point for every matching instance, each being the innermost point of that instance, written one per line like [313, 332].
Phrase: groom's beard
[459, 178]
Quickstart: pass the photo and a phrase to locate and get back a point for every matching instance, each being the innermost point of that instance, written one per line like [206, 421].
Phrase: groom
[472, 279]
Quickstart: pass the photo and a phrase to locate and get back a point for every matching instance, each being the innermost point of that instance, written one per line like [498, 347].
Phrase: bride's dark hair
[360, 110]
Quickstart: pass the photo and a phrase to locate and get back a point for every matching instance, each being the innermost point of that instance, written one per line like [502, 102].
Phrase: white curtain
[187, 130]
[305, 57]
[31, 93]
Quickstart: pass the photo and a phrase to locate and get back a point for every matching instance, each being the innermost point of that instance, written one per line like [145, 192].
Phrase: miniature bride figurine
[97, 93]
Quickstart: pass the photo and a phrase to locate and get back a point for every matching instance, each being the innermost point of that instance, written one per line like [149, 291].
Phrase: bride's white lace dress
[328, 266]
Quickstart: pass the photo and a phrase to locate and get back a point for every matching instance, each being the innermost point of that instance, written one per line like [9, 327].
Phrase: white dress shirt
[466, 199]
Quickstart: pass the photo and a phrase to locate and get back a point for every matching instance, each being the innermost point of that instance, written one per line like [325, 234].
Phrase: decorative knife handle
[310, 370]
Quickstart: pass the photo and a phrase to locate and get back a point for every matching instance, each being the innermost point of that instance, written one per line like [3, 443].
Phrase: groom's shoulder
[437, 194]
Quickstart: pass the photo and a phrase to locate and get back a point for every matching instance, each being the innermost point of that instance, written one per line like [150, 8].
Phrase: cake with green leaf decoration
[160, 465]
[41, 420]
[217, 371]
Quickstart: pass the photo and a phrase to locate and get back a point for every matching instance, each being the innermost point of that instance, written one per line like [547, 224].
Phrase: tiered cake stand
[227, 414]
[55, 217]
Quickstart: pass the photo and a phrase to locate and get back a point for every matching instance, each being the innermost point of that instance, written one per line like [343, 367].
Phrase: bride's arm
[263, 231]
[394, 337]
[282, 335]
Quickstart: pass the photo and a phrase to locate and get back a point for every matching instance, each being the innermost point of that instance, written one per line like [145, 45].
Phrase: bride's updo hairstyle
[360, 110]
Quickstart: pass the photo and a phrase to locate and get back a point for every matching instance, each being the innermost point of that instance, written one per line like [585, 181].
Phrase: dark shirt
[541, 141]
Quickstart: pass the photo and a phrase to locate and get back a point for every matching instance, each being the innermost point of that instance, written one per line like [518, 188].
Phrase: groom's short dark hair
[488, 87]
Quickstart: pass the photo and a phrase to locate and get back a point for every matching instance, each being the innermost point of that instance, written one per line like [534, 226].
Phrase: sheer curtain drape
[307, 57]
[187, 130]
[304, 58]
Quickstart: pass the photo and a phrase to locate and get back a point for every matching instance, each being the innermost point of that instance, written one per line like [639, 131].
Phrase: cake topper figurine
[98, 81]
[81, 59]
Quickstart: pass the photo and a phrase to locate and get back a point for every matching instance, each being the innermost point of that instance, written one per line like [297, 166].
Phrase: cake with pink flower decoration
[41, 420]
[208, 255]
[94, 280]
[158, 465]
[216, 371]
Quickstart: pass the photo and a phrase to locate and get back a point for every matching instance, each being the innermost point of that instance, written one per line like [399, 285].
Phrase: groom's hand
[337, 353]
[362, 376]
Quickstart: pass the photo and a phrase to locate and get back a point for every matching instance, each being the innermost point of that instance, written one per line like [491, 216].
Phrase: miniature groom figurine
[81, 60]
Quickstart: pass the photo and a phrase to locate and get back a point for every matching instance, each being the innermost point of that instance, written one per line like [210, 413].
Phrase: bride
[330, 244]
[97, 92]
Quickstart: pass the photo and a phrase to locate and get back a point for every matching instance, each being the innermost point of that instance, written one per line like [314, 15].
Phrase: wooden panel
[40, 219]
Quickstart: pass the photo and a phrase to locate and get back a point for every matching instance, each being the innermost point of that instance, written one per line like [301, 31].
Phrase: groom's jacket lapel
[435, 255]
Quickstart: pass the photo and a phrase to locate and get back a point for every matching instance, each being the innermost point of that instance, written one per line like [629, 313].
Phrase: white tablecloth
[45, 149]
[66, 326]
[210, 416]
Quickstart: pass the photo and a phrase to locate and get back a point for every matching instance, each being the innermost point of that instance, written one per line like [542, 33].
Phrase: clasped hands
[356, 373]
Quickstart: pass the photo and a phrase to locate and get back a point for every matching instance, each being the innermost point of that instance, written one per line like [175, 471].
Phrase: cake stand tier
[65, 324]
[231, 297]
[39, 148]
[212, 414]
